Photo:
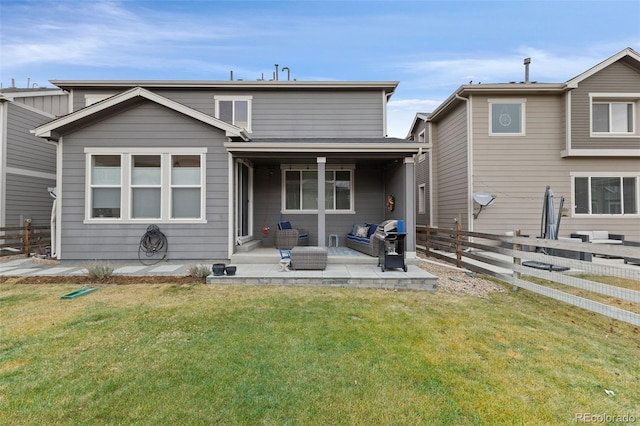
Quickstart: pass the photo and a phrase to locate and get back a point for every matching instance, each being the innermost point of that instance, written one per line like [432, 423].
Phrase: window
[422, 197]
[92, 98]
[144, 185]
[234, 110]
[506, 117]
[105, 186]
[612, 117]
[606, 195]
[301, 190]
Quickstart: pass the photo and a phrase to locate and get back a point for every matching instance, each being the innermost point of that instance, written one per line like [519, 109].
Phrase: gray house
[217, 164]
[27, 163]
[511, 140]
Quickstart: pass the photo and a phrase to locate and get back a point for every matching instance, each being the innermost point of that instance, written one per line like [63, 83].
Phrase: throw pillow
[362, 231]
[354, 230]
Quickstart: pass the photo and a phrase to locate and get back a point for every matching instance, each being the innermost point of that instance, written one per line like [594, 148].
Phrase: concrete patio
[260, 267]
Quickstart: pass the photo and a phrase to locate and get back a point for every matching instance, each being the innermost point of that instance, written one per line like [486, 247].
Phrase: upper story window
[300, 190]
[612, 117]
[506, 117]
[235, 110]
[606, 195]
[142, 185]
[92, 98]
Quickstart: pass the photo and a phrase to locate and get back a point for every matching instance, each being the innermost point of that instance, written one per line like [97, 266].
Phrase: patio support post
[410, 206]
[322, 241]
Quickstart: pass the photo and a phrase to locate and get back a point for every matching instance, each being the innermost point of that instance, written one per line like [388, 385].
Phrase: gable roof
[630, 56]
[623, 54]
[419, 117]
[50, 130]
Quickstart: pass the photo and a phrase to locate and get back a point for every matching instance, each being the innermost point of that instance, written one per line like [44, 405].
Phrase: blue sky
[430, 47]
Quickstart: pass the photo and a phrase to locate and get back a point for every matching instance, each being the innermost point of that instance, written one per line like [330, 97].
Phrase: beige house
[508, 141]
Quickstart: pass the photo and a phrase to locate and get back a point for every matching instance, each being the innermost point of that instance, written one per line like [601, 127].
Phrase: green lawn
[162, 354]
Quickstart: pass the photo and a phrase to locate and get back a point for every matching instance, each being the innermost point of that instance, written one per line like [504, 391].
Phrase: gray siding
[146, 125]
[53, 104]
[24, 150]
[290, 113]
[450, 158]
[27, 198]
[517, 168]
[617, 78]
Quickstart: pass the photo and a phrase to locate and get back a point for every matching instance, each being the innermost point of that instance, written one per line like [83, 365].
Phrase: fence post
[458, 244]
[517, 260]
[427, 238]
[26, 241]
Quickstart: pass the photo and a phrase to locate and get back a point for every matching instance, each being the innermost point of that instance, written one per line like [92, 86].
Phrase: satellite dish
[483, 198]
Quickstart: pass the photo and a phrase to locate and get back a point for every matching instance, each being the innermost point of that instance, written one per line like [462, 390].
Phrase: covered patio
[324, 186]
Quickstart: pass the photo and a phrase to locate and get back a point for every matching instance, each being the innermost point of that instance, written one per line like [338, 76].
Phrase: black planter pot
[230, 270]
[218, 269]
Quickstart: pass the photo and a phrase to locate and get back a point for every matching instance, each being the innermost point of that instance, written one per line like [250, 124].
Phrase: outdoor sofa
[364, 241]
[633, 260]
[598, 237]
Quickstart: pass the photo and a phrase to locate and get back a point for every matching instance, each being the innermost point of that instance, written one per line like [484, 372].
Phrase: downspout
[230, 205]
[469, 163]
[56, 208]
[3, 157]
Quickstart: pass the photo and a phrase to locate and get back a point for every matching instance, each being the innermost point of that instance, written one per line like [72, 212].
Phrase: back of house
[512, 140]
[215, 165]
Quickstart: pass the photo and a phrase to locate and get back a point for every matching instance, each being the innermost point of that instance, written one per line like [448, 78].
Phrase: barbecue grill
[391, 247]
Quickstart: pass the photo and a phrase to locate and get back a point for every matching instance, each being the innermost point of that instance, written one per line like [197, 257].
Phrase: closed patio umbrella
[549, 230]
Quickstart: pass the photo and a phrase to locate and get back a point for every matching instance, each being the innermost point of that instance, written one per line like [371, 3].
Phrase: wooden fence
[24, 240]
[506, 258]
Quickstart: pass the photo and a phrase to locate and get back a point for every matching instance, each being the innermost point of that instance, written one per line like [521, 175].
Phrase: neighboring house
[27, 163]
[217, 164]
[511, 140]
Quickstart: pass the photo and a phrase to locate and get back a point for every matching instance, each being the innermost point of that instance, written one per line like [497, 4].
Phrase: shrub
[199, 271]
[99, 271]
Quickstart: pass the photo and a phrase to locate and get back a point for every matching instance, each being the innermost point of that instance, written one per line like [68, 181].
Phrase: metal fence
[25, 240]
[539, 265]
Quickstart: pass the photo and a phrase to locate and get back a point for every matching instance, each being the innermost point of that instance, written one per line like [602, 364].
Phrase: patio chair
[285, 260]
[288, 237]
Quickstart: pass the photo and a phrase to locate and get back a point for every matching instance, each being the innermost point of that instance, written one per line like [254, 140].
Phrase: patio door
[244, 201]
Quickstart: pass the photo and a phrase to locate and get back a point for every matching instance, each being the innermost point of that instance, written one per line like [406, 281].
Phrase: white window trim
[249, 100]
[609, 98]
[523, 115]
[422, 136]
[304, 167]
[125, 184]
[94, 98]
[574, 175]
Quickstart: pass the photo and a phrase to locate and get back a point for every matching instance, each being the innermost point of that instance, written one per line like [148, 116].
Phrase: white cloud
[400, 114]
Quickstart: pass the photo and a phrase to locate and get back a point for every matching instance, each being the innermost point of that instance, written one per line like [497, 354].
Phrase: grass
[161, 354]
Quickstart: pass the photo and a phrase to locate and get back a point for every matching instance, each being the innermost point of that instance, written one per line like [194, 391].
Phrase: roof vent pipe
[288, 72]
[276, 75]
[231, 75]
[527, 61]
